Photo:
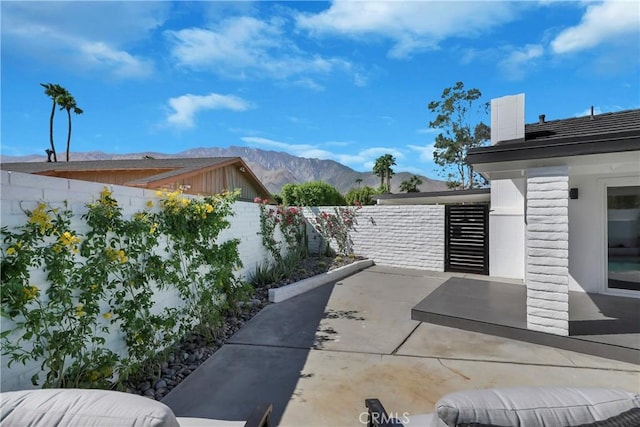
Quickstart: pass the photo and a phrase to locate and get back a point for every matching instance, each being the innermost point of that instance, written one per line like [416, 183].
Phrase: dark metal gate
[467, 239]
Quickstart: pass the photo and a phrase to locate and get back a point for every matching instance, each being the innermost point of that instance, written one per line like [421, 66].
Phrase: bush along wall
[109, 278]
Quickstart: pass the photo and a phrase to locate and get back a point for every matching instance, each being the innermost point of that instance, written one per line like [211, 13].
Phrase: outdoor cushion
[534, 406]
[82, 408]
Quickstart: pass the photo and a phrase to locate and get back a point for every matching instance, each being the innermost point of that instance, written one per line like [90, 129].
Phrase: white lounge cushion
[82, 408]
[207, 422]
[534, 406]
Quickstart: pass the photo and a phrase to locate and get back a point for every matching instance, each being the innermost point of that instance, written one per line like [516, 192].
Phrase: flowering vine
[107, 278]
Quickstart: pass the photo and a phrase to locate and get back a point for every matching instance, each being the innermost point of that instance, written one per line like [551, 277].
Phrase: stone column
[547, 259]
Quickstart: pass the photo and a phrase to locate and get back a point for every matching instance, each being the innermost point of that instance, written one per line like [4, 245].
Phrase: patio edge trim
[285, 292]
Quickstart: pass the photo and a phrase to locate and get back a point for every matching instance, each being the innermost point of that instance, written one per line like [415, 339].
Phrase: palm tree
[389, 161]
[53, 91]
[67, 102]
[382, 168]
[358, 181]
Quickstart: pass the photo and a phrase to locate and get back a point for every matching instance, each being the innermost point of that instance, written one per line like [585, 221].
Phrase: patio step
[499, 309]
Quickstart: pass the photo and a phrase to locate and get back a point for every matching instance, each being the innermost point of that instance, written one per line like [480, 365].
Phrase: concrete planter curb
[297, 288]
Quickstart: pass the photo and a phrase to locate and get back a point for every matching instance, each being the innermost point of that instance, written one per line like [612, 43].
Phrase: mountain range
[273, 168]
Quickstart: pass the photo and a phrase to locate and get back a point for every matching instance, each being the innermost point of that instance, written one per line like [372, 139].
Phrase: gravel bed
[188, 355]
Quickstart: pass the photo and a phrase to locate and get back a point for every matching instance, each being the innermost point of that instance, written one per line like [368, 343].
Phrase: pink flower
[293, 211]
[257, 200]
[265, 201]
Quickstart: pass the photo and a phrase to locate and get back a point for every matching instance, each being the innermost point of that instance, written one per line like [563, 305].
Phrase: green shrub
[312, 194]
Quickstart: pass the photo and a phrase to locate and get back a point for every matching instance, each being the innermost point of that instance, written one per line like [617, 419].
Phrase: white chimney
[507, 118]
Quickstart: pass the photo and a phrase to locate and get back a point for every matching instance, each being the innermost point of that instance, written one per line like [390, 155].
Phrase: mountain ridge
[273, 168]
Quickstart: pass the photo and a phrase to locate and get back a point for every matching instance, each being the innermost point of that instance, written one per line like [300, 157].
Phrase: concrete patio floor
[317, 356]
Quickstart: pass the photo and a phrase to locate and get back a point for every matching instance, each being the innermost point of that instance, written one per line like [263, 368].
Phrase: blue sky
[341, 80]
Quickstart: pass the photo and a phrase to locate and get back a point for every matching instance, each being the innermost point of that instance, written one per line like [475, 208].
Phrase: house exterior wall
[507, 229]
[547, 241]
[24, 191]
[587, 228]
[218, 180]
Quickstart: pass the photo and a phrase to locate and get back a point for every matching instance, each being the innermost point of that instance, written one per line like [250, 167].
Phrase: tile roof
[601, 125]
[599, 134]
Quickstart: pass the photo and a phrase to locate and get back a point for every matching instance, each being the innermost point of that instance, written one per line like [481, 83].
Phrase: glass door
[623, 235]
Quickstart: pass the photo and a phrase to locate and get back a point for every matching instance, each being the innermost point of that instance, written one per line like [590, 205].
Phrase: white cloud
[424, 151]
[244, 47]
[121, 63]
[427, 131]
[411, 25]
[186, 106]
[83, 36]
[309, 84]
[520, 60]
[361, 160]
[600, 23]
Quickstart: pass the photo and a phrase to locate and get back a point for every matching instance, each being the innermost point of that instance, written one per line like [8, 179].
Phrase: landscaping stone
[195, 349]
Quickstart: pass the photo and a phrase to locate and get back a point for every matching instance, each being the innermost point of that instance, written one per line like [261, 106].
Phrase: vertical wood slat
[467, 239]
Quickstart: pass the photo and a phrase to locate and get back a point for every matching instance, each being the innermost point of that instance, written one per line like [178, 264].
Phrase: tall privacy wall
[399, 236]
[24, 191]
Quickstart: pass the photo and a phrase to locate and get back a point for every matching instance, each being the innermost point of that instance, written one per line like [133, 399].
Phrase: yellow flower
[153, 228]
[208, 207]
[121, 256]
[40, 217]
[159, 193]
[105, 193]
[94, 287]
[185, 201]
[11, 251]
[80, 310]
[69, 239]
[107, 315]
[94, 375]
[30, 292]
[150, 203]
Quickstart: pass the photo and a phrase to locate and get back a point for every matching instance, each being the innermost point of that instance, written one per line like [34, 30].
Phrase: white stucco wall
[24, 191]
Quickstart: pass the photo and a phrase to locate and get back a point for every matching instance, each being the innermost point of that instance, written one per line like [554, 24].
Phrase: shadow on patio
[261, 363]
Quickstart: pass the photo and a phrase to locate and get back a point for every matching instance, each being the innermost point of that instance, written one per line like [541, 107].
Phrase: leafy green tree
[411, 185]
[55, 92]
[316, 193]
[456, 112]
[382, 168]
[67, 102]
[361, 195]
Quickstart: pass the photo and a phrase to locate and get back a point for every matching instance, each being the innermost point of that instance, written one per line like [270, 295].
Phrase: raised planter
[297, 288]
